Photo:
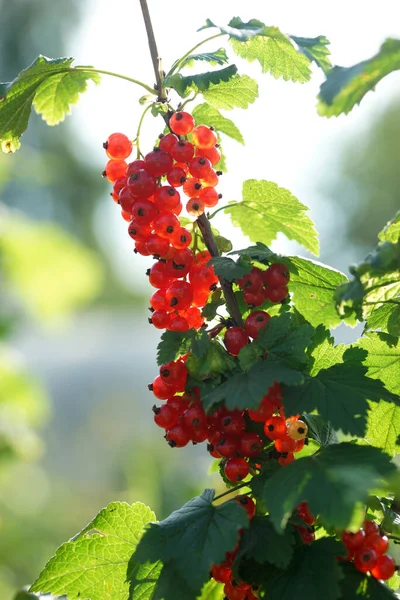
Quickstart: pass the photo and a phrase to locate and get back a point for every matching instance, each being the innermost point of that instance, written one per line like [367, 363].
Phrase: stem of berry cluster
[162, 96]
[211, 244]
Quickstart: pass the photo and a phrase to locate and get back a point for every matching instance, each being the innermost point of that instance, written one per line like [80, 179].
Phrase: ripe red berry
[200, 167]
[285, 444]
[126, 199]
[165, 416]
[118, 146]
[193, 316]
[174, 373]
[235, 339]
[232, 593]
[195, 207]
[179, 295]
[165, 224]
[297, 430]
[384, 568]
[158, 162]
[177, 436]
[157, 246]
[213, 154]
[353, 541]
[192, 187]
[176, 177]
[365, 559]
[221, 573]
[144, 211]
[236, 468]
[305, 514]
[252, 282]
[276, 294]
[142, 184]
[211, 179]
[181, 238]
[118, 185]
[167, 142]
[158, 300]
[248, 504]
[159, 276]
[178, 323]
[277, 275]
[250, 444]
[181, 123]
[379, 543]
[138, 231]
[307, 535]
[286, 459]
[256, 321]
[202, 276]
[263, 413]
[254, 300]
[209, 196]
[204, 137]
[160, 389]
[166, 198]
[370, 527]
[161, 319]
[115, 169]
[182, 151]
[134, 167]
[227, 446]
[275, 428]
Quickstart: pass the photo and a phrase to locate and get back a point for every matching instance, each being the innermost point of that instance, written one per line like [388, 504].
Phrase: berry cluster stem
[211, 244]
[153, 51]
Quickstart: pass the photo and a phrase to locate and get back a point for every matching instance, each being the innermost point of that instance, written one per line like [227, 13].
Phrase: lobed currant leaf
[238, 92]
[94, 566]
[249, 355]
[346, 86]
[229, 269]
[316, 50]
[51, 85]
[355, 584]
[190, 540]
[267, 209]
[260, 253]
[391, 231]
[340, 394]
[215, 360]
[284, 339]
[218, 57]
[383, 359]
[174, 344]
[320, 430]
[262, 543]
[204, 114]
[142, 579]
[324, 353]
[331, 482]
[184, 84]
[386, 318]
[237, 28]
[383, 426]
[210, 310]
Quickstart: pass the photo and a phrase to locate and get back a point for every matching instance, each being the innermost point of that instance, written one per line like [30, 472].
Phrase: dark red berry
[277, 275]
[236, 468]
[256, 321]
[235, 339]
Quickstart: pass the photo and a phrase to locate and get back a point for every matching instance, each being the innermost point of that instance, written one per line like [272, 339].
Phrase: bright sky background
[286, 141]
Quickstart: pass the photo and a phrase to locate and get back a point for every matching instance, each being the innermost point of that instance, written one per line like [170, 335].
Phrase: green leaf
[331, 481]
[286, 340]
[316, 50]
[359, 585]
[237, 28]
[174, 344]
[50, 85]
[320, 430]
[313, 286]
[340, 394]
[249, 355]
[383, 360]
[383, 427]
[169, 582]
[386, 318]
[391, 231]
[267, 209]
[229, 269]
[142, 579]
[215, 360]
[204, 114]
[193, 538]
[219, 57]
[95, 564]
[346, 86]
[212, 591]
[184, 84]
[314, 573]
[262, 542]
[238, 92]
[324, 352]
[260, 253]
[215, 300]
[245, 390]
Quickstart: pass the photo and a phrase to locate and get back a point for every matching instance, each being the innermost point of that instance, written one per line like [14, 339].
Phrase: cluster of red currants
[367, 548]
[147, 192]
[259, 286]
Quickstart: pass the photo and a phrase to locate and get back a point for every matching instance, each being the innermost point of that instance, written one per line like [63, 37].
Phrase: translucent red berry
[195, 207]
[181, 123]
[277, 275]
[182, 151]
[165, 416]
[365, 559]
[384, 568]
[142, 184]
[115, 169]
[256, 321]
[118, 146]
[275, 428]
[167, 142]
[235, 339]
[236, 468]
[297, 430]
[204, 137]
[200, 167]
[158, 162]
[276, 294]
[248, 504]
[177, 436]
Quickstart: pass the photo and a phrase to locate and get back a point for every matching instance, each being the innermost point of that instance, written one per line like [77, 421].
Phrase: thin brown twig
[153, 50]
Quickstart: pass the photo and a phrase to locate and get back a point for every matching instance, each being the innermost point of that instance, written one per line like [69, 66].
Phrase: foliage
[347, 396]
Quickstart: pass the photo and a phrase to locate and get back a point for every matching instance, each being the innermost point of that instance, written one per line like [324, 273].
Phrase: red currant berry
[126, 199]
[138, 231]
[209, 196]
[195, 207]
[158, 162]
[274, 394]
[181, 123]
[119, 184]
[202, 276]
[178, 323]
[192, 187]
[165, 224]
[158, 300]
[165, 416]
[160, 389]
[141, 248]
[353, 541]
[166, 198]
[126, 216]
[213, 154]
[157, 246]
[115, 169]
[174, 373]
[177, 436]
[384, 568]
[275, 428]
[233, 593]
[365, 559]
[179, 403]
[227, 446]
[252, 282]
[221, 573]
[161, 319]
[235, 339]
[370, 527]
[254, 300]
[211, 179]
[118, 146]
[236, 468]
[286, 459]
[378, 542]
[276, 276]
[182, 151]
[176, 177]
[256, 321]
[285, 444]
[276, 294]
[144, 211]
[297, 430]
[179, 295]
[250, 444]
[204, 137]
[248, 504]
[194, 317]
[307, 535]
[232, 423]
[200, 167]
[263, 413]
[181, 238]
[142, 184]
[159, 276]
[167, 142]
[305, 514]
[194, 418]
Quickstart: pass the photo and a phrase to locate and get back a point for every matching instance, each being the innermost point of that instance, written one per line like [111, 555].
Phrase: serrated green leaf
[245, 390]
[215, 300]
[383, 360]
[324, 353]
[142, 579]
[358, 585]
[204, 114]
[267, 209]
[169, 582]
[383, 427]
[331, 482]
[50, 85]
[212, 591]
[262, 542]
[174, 344]
[214, 361]
[229, 269]
[219, 57]
[316, 50]
[391, 231]
[313, 285]
[346, 86]
[386, 318]
[249, 355]
[237, 28]
[340, 394]
[184, 84]
[238, 92]
[320, 430]
[314, 573]
[260, 253]
[94, 566]
[284, 339]
[193, 538]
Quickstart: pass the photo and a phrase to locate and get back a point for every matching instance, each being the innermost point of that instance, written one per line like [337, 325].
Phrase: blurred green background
[76, 352]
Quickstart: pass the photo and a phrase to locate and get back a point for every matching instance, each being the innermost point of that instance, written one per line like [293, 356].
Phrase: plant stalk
[112, 74]
[211, 244]
[153, 51]
[231, 490]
